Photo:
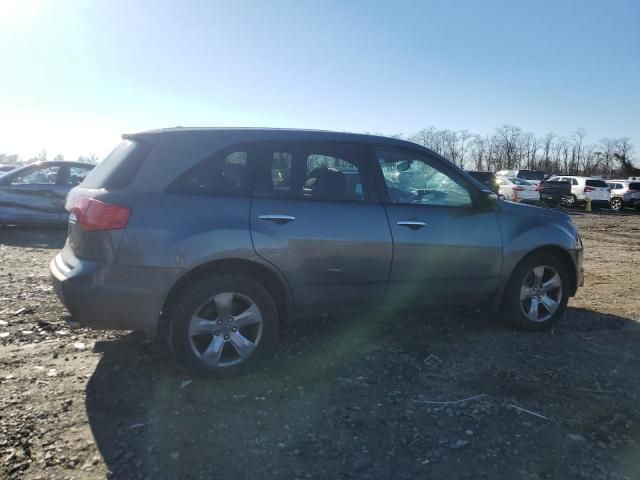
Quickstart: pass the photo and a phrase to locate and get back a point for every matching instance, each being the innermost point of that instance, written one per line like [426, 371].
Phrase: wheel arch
[557, 251]
[270, 279]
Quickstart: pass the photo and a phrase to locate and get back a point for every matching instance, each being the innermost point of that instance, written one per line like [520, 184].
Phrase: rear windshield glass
[519, 181]
[530, 175]
[119, 167]
[597, 183]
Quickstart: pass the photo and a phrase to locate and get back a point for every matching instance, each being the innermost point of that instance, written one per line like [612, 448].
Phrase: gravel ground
[452, 394]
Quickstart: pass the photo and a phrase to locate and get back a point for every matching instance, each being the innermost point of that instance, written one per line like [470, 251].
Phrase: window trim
[431, 159]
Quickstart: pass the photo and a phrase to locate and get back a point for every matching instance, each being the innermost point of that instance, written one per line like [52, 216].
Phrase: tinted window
[531, 175]
[597, 183]
[224, 173]
[519, 181]
[412, 178]
[634, 187]
[309, 170]
[39, 176]
[119, 168]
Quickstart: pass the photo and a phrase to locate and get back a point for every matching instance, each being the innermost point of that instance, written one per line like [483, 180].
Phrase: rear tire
[537, 294]
[616, 204]
[571, 201]
[223, 326]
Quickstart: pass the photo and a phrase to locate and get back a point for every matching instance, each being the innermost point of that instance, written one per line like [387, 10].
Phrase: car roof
[274, 134]
[52, 163]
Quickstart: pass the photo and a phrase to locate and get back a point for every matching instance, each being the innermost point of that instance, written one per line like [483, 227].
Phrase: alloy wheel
[225, 329]
[616, 204]
[541, 293]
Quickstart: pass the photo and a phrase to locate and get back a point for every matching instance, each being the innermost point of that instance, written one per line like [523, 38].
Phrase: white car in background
[517, 190]
[583, 188]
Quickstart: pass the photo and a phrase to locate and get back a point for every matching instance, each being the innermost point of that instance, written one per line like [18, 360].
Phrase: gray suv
[215, 238]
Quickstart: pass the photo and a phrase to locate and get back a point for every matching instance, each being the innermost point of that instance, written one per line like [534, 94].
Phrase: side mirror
[486, 199]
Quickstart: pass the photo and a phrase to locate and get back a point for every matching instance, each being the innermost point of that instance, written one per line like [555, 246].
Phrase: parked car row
[530, 186]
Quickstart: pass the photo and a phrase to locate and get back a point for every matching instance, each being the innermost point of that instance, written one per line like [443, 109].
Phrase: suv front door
[445, 250]
[315, 216]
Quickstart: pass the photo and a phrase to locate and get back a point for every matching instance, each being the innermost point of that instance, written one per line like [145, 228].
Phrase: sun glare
[12, 10]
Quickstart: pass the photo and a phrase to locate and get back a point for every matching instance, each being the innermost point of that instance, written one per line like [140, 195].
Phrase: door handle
[412, 224]
[279, 219]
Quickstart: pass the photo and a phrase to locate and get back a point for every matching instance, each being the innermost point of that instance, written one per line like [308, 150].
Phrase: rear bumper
[112, 297]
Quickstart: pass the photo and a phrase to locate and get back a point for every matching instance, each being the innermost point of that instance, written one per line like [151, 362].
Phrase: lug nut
[234, 329]
[226, 337]
[219, 322]
[217, 333]
[229, 319]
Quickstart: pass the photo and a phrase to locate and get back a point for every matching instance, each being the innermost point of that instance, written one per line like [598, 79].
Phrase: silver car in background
[214, 239]
[518, 190]
[624, 193]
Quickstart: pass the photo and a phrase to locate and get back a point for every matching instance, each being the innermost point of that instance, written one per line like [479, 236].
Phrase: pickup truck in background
[554, 192]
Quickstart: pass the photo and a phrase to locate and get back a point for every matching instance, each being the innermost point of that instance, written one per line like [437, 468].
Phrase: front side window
[414, 179]
[40, 176]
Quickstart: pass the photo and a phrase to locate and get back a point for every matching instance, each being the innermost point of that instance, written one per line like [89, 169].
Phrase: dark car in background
[486, 178]
[213, 239]
[35, 194]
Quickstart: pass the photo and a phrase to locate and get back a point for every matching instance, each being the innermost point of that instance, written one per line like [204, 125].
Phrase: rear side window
[597, 183]
[634, 187]
[224, 173]
[119, 168]
[309, 170]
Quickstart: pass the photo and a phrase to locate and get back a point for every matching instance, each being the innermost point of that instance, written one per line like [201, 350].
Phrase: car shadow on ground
[340, 399]
[35, 237]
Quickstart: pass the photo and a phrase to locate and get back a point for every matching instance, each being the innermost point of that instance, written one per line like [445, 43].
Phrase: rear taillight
[92, 214]
[518, 188]
[589, 189]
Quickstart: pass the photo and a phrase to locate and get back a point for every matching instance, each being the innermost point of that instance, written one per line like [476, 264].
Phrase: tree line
[509, 147]
[42, 157]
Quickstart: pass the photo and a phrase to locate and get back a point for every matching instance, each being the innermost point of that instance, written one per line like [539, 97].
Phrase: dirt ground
[452, 394]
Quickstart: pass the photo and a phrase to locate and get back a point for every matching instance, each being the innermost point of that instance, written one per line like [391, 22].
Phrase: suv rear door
[315, 216]
[445, 250]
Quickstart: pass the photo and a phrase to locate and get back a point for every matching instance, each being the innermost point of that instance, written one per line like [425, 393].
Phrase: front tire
[537, 294]
[223, 326]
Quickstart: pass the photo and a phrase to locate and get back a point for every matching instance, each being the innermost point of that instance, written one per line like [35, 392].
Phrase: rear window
[531, 175]
[597, 183]
[519, 181]
[119, 168]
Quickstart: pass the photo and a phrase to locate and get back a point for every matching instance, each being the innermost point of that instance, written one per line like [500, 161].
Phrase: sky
[75, 75]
